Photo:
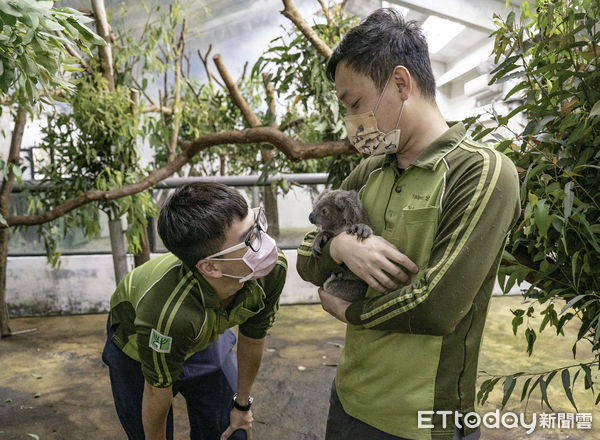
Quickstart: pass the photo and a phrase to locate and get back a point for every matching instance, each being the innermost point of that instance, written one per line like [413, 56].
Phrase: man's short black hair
[381, 42]
[193, 221]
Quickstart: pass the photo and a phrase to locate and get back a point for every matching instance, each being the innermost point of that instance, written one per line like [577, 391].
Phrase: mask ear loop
[381, 95]
[400, 115]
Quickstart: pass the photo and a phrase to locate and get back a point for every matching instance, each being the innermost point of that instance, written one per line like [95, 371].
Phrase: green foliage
[312, 112]
[92, 147]
[553, 55]
[31, 53]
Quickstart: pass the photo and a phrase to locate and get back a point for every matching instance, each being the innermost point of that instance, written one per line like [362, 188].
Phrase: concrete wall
[84, 284]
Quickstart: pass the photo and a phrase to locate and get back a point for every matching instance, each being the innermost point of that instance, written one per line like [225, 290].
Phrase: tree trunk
[271, 211]
[5, 190]
[270, 200]
[144, 254]
[117, 245]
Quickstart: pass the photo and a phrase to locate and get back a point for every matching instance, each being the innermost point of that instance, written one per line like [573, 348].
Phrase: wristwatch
[242, 407]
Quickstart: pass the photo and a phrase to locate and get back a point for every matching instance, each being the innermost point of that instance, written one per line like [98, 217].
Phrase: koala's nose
[311, 218]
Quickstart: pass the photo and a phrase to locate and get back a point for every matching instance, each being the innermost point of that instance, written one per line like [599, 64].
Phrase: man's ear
[208, 268]
[403, 81]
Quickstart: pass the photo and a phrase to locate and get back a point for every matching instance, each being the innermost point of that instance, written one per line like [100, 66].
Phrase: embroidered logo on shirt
[160, 343]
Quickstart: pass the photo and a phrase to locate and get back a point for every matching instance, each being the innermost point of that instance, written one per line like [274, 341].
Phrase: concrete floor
[53, 384]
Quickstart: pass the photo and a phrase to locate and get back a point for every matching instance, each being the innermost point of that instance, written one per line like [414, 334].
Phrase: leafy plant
[553, 55]
[33, 36]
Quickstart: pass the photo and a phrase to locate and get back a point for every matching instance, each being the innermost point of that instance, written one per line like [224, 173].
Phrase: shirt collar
[430, 157]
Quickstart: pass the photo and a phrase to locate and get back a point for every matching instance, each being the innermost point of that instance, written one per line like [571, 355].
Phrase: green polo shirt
[417, 348]
[165, 312]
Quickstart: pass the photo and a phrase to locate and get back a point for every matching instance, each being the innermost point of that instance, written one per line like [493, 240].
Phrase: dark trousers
[208, 382]
[342, 426]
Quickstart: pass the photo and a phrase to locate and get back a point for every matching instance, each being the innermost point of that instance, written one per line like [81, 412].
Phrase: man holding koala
[441, 207]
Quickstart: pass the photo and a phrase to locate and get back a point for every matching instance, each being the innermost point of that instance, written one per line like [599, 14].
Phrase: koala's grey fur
[335, 211]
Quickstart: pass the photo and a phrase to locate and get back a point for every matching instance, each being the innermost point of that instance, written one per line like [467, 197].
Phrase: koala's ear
[349, 203]
[320, 197]
[343, 198]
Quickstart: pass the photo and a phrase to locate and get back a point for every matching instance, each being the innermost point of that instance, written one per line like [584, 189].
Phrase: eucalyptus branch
[209, 75]
[292, 148]
[178, 52]
[542, 373]
[75, 54]
[291, 12]
[137, 84]
[191, 87]
[292, 124]
[157, 109]
[243, 77]
[103, 29]
[235, 94]
[325, 9]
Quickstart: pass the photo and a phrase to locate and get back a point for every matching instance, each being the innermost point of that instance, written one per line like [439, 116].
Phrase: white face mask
[365, 136]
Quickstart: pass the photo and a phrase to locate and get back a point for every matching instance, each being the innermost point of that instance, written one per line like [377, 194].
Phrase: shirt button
[398, 189]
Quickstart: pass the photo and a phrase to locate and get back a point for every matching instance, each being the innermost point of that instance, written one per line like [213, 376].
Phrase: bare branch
[191, 87]
[343, 5]
[235, 94]
[209, 75]
[293, 149]
[177, 52]
[243, 77]
[138, 85]
[291, 12]
[103, 29]
[270, 88]
[325, 9]
[157, 109]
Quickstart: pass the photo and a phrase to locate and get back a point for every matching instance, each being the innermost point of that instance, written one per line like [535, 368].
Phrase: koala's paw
[361, 230]
[319, 242]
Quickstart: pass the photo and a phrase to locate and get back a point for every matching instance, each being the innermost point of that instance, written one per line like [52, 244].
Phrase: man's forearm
[249, 355]
[156, 403]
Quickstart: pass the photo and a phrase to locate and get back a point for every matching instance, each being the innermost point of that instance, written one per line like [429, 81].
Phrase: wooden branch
[74, 53]
[343, 5]
[103, 29]
[290, 147]
[325, 9]
[291, 12]
[243, 77]
[234, 93]
[272, 103]
[157, 109]
[178, 53]
[16, 140]
[209, 75]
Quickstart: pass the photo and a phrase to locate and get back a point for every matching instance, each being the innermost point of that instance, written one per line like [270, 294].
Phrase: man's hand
[333, 305]
[239, 420]
[369, 258]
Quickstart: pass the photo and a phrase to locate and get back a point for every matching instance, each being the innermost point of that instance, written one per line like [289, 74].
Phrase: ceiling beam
[476, 15]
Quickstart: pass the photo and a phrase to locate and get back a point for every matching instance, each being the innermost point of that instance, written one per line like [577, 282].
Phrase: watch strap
[239, 407]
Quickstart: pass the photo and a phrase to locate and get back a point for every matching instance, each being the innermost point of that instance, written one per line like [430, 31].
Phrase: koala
[335, 211]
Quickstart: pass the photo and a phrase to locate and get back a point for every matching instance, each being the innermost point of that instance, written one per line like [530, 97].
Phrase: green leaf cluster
[31, 51]
[552, 55]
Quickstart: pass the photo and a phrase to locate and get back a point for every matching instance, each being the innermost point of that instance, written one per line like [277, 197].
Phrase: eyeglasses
[254, 238]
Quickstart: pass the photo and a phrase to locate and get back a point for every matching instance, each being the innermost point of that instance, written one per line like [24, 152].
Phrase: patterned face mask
[365, 136]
